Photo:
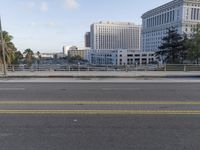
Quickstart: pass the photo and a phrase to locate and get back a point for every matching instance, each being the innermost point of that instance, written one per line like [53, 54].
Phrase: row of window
[161, 19]
[195, 14]
[137, 55]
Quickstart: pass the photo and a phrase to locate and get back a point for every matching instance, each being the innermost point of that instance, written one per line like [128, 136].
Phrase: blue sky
[47, 25]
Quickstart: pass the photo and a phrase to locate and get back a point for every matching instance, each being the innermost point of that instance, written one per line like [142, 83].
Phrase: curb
[129, 77]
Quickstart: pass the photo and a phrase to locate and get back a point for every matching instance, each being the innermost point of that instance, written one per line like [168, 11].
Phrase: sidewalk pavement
[101, 74]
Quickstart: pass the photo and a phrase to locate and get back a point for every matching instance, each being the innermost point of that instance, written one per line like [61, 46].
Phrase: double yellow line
[97, 103]
[100, 112]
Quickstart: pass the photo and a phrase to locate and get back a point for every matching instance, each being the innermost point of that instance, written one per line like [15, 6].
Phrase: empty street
[99, 116]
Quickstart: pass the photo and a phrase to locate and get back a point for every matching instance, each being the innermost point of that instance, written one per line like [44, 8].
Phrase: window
[130, 55]
[192, 12]
[144, 55]
[168, 17]
[137, 55]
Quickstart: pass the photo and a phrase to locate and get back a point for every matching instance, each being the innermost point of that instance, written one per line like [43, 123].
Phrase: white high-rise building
[182, 14]
[115, 35]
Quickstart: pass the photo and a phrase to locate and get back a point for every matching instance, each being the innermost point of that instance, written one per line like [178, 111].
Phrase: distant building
[120, 57]
[87, 39]
[115, 35]
[182, 14]
[66, 49]
[59, 55]
[44, 55]
[76, 51]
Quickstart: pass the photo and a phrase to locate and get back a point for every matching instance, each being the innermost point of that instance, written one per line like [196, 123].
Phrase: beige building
[184, 15]
[73, 53]
[77, 51]
[115, 35]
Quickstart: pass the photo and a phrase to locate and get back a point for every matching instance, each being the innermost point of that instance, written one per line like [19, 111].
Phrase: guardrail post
[13, 68]
[165, 67]
[146, 68]
[185, 68]
[31, 68]
[78, 67]
[50, 68]
[126, 68]
[69, 68]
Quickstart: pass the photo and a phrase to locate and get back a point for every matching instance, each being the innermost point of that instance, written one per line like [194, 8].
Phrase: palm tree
[9, 48]
[18, 58]
[29, 56]
[38, 59]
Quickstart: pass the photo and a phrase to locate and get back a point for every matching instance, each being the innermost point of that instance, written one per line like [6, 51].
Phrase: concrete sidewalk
[95, 74]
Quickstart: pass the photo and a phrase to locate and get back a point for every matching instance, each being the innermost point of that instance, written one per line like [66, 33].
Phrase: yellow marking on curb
[96, 103]
[102, 112]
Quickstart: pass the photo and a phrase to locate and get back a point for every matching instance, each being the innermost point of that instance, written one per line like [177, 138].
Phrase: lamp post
[3, 50]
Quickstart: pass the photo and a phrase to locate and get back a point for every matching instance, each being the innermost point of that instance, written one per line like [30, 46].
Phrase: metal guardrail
[54, 67]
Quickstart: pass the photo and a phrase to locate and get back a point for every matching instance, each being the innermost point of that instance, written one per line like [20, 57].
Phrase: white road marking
[124, 89]
[12, 89]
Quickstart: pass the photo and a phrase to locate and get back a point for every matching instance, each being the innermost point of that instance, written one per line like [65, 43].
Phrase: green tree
[29, 56]
[75, 59]
[9, 48]
[38, 57]
[18, 57]
[172, 49]
[193, 45]
[183, 53]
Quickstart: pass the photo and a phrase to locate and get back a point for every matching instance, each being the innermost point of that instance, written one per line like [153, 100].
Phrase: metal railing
[125, 68]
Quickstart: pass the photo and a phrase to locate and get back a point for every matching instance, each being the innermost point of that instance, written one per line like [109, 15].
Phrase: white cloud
[44, 7]
[71, 4]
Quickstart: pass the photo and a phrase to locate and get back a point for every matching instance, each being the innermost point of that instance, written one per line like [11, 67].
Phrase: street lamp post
[3, 50]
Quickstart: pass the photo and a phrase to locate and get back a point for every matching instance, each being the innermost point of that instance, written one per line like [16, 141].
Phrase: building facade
[66, 49]
[120, 57]
[114, 35]
[78, 51]
[184, 15]
[74, 53]
[87, 39]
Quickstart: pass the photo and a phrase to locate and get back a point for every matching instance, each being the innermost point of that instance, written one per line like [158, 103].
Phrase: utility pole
[3, 50]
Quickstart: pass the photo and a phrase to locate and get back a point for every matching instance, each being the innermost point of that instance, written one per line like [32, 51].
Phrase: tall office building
[87, 39]
[182, 14]
[115, 35]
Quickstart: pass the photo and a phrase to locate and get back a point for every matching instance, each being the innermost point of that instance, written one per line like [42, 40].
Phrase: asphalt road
[99, 116]
[100, 91]
[99, 132]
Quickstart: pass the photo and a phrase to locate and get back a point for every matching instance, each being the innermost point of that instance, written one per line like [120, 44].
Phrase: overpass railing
[55, 67]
